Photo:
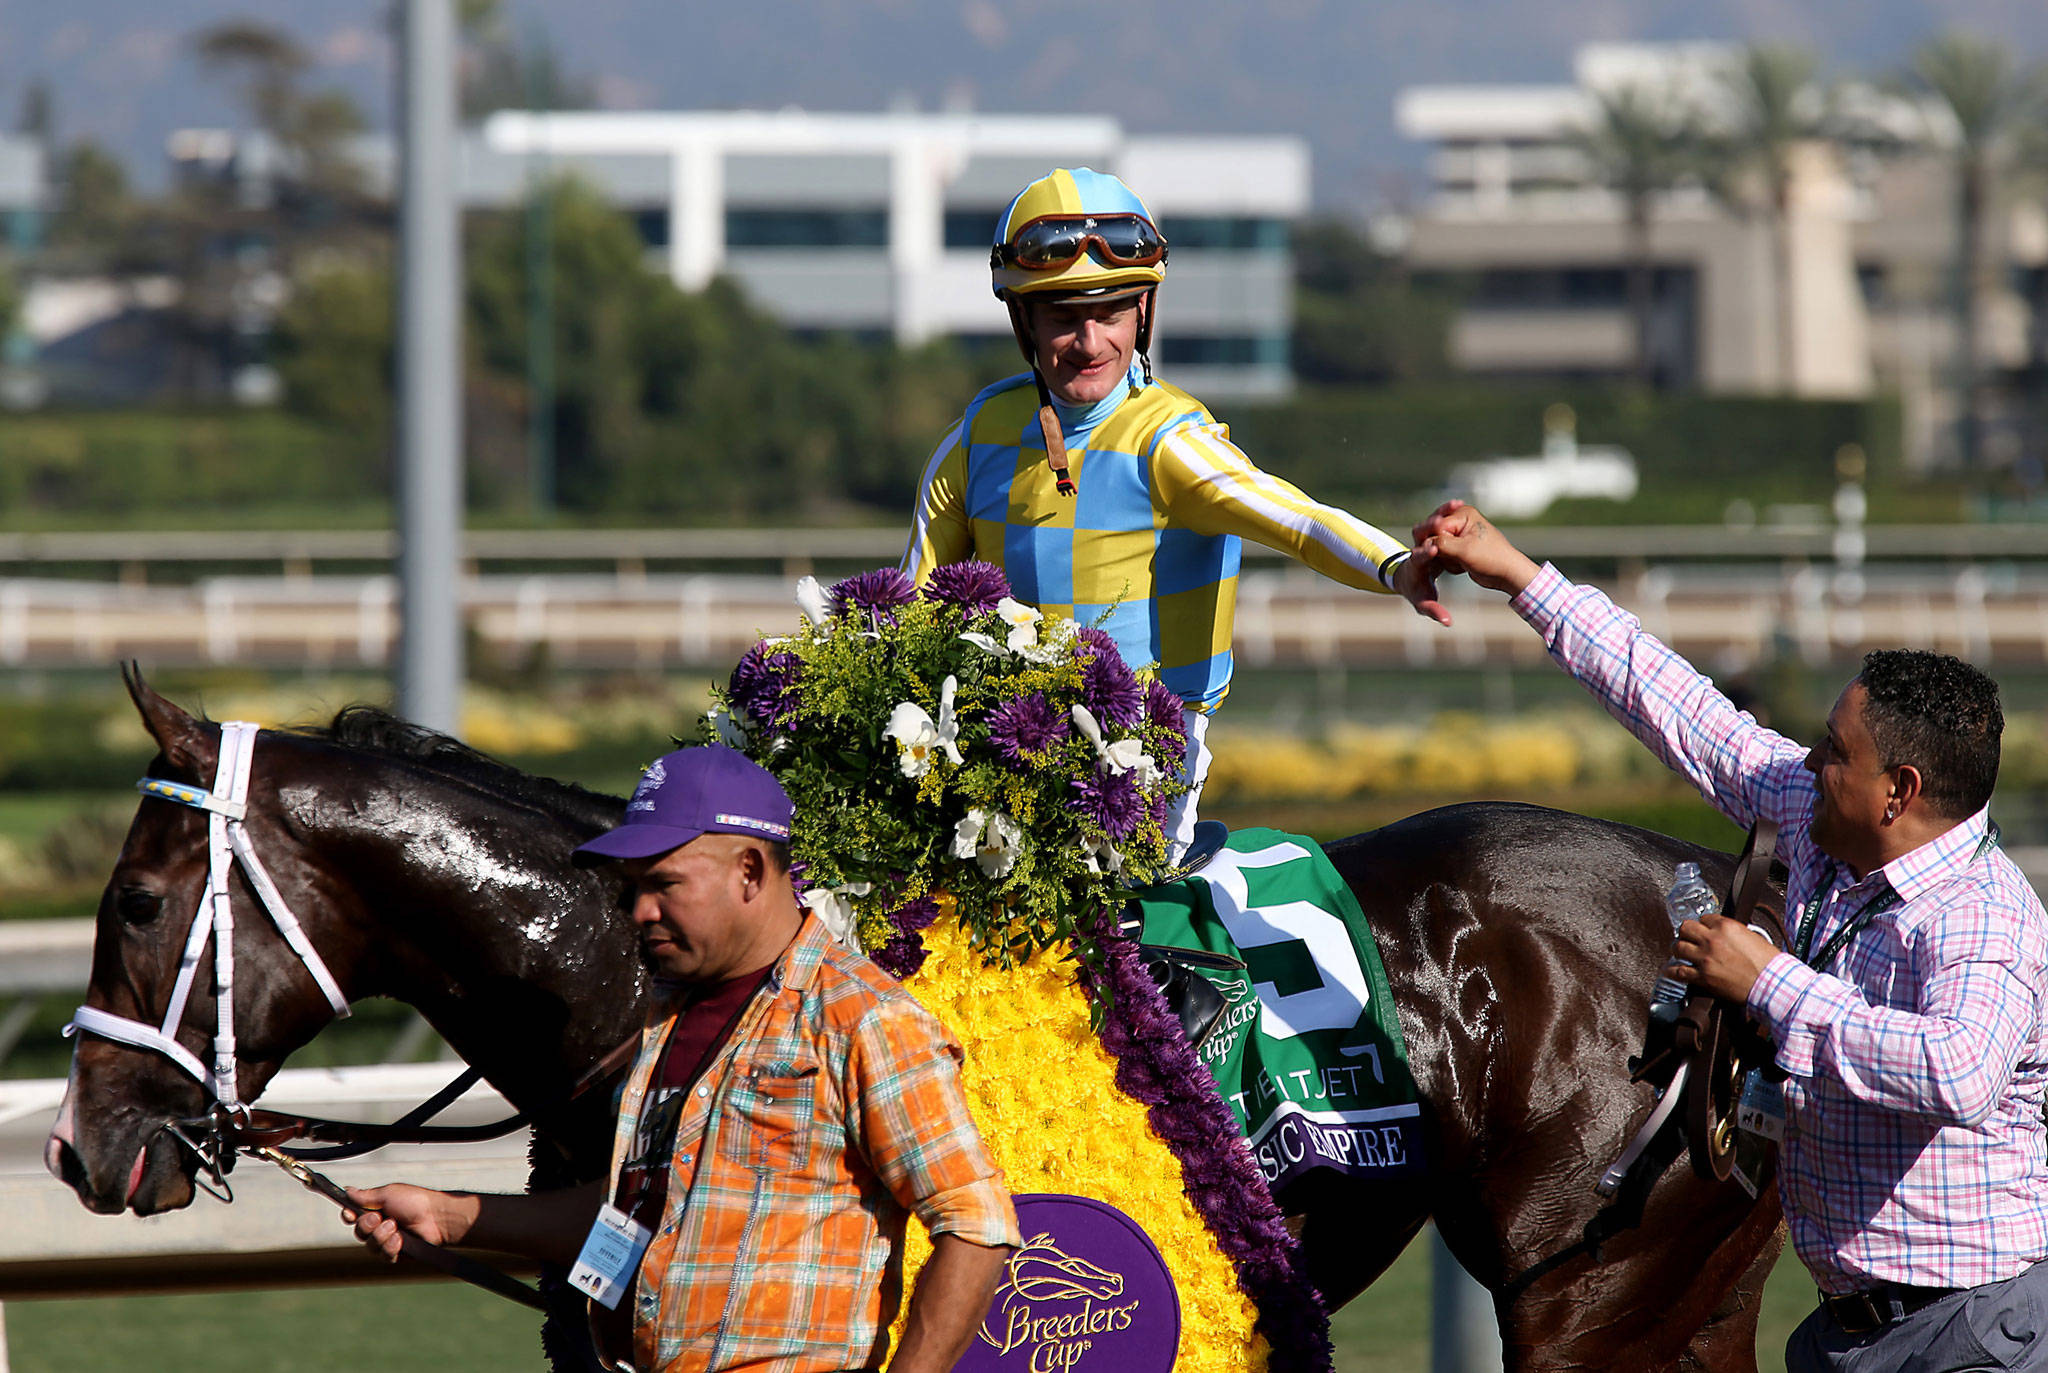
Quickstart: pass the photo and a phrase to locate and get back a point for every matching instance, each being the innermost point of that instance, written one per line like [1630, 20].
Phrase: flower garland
[976, 787]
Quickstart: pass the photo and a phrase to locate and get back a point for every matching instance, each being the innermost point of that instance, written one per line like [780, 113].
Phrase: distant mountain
[122, 70]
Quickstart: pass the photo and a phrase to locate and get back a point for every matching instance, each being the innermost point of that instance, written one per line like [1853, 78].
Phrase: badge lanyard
[1885, 900]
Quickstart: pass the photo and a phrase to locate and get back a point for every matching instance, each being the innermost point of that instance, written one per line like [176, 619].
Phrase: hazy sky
[123, 72]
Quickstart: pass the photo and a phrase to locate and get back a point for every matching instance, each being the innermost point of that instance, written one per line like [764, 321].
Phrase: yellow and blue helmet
[1077, 232]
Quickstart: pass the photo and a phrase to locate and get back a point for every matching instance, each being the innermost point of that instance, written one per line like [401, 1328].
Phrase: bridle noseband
[227, 842]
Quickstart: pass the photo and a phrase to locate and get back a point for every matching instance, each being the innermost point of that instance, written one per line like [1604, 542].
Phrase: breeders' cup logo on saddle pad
[650, 782]
[1087, 1291]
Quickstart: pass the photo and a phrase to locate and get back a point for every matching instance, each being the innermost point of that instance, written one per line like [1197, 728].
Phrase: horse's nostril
[63, 1160]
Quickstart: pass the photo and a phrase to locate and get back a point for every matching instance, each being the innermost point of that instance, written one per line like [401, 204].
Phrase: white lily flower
[812, 601]
[1000, 846]
[1125, 755]
[1128, 755]
[991, 839]
[967, 834]
[918, 737]
[1101, 856]
[1023, 622]
[986, 644]
[726, 727]
[834, 908]
[1084, 720]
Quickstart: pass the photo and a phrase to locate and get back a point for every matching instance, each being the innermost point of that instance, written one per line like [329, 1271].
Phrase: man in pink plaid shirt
[1910, 1015]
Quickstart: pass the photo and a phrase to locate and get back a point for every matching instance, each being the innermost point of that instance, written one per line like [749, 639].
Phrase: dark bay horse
[1519, 943]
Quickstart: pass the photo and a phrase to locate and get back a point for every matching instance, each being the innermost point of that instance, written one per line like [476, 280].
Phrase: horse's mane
[378, 731]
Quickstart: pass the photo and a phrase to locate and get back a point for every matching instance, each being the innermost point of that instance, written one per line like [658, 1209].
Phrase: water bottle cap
[1688, 872]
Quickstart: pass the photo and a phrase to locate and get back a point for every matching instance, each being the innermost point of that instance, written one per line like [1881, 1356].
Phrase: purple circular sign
[1088, 1293]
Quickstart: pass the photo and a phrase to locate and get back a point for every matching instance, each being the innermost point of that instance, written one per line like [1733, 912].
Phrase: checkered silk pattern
[832, 1113]
[1162, 500]
[1914, 1147]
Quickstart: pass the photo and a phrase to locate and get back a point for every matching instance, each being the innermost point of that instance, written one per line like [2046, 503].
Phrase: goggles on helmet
[1054, 241]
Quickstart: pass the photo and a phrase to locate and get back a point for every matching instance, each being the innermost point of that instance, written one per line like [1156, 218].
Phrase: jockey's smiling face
[1084, 347]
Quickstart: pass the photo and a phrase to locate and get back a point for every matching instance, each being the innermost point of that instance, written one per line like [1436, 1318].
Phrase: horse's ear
[187, 744]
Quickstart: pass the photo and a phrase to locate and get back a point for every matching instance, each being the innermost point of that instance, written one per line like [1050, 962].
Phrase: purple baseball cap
[709, 789]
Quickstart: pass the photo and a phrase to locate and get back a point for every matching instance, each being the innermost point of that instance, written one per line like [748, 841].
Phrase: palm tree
[1639, 145]
[1990, 102]
[1774, 105]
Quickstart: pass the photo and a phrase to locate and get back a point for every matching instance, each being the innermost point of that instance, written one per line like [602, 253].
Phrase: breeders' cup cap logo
[1087, 1291]
[650, 782]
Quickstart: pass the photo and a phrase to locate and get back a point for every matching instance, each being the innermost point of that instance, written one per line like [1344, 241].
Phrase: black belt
[1859, 1313]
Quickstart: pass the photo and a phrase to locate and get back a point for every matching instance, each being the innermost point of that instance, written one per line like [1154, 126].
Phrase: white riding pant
[1180, 820]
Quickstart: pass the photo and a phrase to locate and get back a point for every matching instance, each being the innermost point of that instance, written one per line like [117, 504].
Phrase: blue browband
[199, 798]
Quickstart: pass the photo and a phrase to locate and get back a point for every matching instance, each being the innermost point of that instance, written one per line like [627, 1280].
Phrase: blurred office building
[1852, 293]
[879, 225]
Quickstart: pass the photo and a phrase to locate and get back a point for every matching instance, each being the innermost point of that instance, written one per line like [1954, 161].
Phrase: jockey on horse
[1100, 490]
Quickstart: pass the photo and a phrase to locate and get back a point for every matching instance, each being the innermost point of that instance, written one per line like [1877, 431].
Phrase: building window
[807, 228]
[1870, 280]
[1558, 288]
[1224, 233]
[652, 226]
[974, 227]
[1223, 350]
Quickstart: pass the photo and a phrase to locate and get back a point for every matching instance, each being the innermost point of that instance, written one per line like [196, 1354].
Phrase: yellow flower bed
[1043, 1090]
[1456, 753]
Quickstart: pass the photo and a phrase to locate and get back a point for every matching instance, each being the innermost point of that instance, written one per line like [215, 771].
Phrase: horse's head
[111, 1144]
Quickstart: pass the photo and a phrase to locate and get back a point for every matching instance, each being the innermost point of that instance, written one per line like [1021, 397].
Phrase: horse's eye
[137, 906]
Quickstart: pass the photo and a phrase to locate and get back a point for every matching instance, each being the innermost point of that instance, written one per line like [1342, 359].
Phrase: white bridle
[227, 840]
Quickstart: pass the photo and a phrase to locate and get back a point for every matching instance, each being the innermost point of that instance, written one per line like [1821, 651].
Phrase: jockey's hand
[381, 1212]
[1460, 539]
[1725, 956]
[1415, 579]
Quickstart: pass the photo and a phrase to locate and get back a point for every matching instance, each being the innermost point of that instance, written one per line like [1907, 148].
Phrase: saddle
[1193, 1001]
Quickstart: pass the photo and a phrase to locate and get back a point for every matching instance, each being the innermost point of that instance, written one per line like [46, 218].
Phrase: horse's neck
[518, 959]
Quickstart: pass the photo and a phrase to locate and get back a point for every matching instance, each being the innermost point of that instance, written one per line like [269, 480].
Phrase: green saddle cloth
[1308, 1053]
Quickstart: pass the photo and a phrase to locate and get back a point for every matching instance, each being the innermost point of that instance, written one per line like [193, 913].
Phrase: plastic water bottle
[1690, 898]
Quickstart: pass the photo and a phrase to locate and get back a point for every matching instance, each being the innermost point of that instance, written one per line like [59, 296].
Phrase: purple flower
[1109, 688]
[879, 592]
[1112, 800]
[973, 585]
[899, 956]
[1163, 712]
[764, 685]
[903, 952]
[913, 917]
[1023, 729]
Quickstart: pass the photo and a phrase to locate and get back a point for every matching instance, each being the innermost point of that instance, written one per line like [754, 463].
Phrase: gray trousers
[2001, 1325]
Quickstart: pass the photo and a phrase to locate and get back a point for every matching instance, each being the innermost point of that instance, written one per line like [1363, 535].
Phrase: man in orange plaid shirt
[790, 1107]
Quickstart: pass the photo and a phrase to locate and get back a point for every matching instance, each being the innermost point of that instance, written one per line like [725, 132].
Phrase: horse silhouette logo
[1041, 1272]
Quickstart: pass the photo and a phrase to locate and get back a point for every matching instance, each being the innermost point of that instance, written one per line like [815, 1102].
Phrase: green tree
[333, 345]
[1988, 101]
[311, 128]
[1640, 144]
[1358, 316]
[96, 212]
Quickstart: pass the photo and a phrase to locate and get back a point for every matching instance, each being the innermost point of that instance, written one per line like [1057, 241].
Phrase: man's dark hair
[778, 855]
[1939, 715]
